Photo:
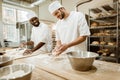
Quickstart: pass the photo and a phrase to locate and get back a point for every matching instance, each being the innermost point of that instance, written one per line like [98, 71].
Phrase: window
[9, 24]
[10, 17]
[22, 16]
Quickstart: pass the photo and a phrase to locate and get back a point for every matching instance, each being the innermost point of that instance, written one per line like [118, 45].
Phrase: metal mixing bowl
[16, 72]
[81, 60]
[2, 52]
[5, 60]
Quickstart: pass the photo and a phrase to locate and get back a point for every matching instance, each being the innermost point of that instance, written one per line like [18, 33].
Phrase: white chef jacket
[72, 27]
[42, 33]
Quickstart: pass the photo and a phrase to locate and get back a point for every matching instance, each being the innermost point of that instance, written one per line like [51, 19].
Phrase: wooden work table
[47, 68]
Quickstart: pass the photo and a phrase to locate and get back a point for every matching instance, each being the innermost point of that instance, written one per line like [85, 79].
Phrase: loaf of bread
[100, 52]
[94, 34]
[112, 12]
[104, 54]
[112, 54]
[94, 24]
[111, 43]
[101, 34]
[102, 42]
[106, 50]
[95, 42]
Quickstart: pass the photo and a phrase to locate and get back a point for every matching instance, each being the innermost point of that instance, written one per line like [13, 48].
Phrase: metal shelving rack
[105, 33]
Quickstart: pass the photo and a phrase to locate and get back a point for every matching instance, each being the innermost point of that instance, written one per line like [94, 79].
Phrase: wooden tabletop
[48, 68]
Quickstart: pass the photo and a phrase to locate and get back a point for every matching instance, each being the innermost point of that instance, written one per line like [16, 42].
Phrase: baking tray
[107, 7]
[96, 10]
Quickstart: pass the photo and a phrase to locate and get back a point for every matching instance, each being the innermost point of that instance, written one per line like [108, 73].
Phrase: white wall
[93, 4]
[1, 26]
[70, 6]
[44, 13]
[34, 9]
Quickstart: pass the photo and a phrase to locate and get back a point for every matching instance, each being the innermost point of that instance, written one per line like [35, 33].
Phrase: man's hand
[28, 51]
[63, 47]
[58, 50]
[22, 45]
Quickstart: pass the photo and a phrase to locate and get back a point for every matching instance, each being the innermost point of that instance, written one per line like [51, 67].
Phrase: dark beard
[37, 24]
[62, 15]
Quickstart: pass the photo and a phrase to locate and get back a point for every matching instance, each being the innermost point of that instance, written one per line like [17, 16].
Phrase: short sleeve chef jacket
[71, 28]
[42, 34]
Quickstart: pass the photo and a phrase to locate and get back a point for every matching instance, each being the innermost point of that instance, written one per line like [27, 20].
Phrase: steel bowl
[2, 53]
[81, 60]
[16, 72]
[5, 60]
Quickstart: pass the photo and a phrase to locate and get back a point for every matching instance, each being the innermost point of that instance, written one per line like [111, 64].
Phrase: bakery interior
[103, 19]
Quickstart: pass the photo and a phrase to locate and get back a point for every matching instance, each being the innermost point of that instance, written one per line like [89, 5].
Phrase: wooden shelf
[112, 46]
[104, 27]
[104, 17]
[102, 36]
[108, 58]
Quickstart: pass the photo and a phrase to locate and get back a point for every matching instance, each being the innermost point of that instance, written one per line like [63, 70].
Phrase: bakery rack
[104, 22]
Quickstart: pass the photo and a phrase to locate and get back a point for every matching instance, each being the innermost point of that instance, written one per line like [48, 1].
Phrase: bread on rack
[94, 24]
[112, 54]
[100, 52]
[111, 43]
[112, 12]
[101, 34]
[102, 42]
[106, 24]
[104, 52]
[94, 34]
[99, 15]
[95, 42]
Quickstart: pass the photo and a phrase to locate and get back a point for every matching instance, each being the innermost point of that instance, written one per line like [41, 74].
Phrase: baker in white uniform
[41, 37]
[71, 29]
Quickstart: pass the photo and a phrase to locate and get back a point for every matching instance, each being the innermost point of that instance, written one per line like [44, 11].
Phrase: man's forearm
[30, 43]
[58, 44]
[38, 46]
[77, 41]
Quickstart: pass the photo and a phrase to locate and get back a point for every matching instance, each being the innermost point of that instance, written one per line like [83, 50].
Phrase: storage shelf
[102, 21]
[101, 36]
[112, 46]
[104, 17]
[104, 27]
[108, 58]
